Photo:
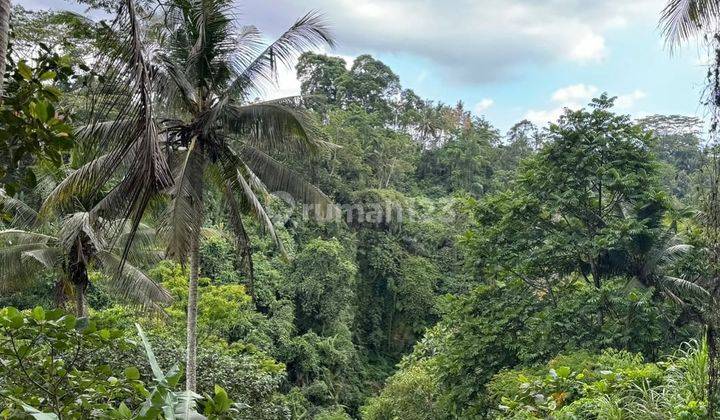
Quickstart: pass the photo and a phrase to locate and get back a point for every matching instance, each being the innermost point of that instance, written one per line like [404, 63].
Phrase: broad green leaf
[48, 75]
[38, 313]
[34, 412]
[222, 401]
[563, 372]
[132, 373]
[124, 412]
[157, 371]
[24, 70]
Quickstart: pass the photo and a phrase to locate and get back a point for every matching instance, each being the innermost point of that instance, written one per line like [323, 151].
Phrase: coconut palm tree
[220, 138]
[69, 247]
[194, 78]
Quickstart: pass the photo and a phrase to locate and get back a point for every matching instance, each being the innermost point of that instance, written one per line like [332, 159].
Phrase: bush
[52, 365]
[44, 364]
[410, 394]
[612, 384]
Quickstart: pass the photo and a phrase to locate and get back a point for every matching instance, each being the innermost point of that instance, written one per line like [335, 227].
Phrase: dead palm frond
[122, 140]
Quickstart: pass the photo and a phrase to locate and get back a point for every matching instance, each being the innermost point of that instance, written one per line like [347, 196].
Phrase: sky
[507, 60]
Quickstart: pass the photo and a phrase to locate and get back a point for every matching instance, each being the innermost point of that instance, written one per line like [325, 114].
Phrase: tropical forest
[182, 237]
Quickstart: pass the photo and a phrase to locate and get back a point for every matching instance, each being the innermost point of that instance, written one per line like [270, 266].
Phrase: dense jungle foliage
[357, 252]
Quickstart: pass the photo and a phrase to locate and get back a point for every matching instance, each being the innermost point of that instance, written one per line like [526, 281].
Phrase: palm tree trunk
[80, 305]
[242, 242]
[191, 363]
[77, 269]
[246, 262]
[4, 38]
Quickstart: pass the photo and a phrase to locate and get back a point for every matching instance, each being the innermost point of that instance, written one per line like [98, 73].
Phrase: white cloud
[572, 95]
[468, 40]
[589, 48]
[483, 105]
[629, 99]
[542, 117]
[575, 97]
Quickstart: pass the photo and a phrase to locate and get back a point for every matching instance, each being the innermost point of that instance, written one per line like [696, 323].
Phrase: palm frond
[235, 183]
[110, 133]
[280, 124]
[17, 237]
[80, 183]
[48, 257]
[308, 32]
[682, 19]
[16, 272]
[131, 284]
[183, 219]
[174, 85]
[277, 177]
[23, 216]
[145, 249]
[678, 249]
[242, 241]
[683, 288]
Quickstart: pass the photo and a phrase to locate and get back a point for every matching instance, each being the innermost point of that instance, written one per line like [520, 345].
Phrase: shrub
[612, 384]
[43, 364]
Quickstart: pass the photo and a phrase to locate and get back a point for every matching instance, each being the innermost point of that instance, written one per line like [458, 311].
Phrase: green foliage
[583, 205]
[52, 365]
[464, 162]
[525, 271]
[322, 76]
[507, 324]
[72, 34]
[369, 83]
[34, 127]
[249, 376]
[409, 394]
[594, 385]
[678, 149]
[324, 280]
[45, 365]
[218, 259]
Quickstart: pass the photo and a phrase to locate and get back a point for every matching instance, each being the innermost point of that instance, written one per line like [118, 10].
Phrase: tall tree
[322, 75]
[372, 85]
[196, 103]
[220, 139]
[579, 205]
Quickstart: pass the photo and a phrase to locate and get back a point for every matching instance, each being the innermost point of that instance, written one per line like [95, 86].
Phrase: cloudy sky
[506, 59]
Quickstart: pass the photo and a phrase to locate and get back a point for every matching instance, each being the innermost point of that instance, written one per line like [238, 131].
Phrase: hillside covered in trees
[174, 246]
